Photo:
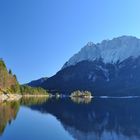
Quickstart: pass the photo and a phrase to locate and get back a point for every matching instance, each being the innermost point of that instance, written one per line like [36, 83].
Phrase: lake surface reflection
[65, 119]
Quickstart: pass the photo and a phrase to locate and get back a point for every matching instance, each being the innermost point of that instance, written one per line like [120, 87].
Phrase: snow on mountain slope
[110, 51]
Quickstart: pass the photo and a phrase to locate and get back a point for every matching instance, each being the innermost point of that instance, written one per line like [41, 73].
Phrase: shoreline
[10, 97]
[84, 97]
[16, 97]
[28, 95]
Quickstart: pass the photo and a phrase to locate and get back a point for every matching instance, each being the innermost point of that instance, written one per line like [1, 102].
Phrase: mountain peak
[89, 44]
[110, 51]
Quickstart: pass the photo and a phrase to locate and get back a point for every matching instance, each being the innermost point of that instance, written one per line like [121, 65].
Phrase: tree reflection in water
[8, 112]
[80, 100]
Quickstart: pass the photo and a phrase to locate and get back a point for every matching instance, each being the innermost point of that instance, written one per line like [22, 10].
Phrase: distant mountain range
[37, 83]
[111, 67]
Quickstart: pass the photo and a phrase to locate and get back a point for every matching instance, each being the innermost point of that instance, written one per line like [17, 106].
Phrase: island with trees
[81, 94]
[79, 97]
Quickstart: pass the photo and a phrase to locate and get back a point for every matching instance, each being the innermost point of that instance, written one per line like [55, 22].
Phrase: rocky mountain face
[109, 68]
[110, 51]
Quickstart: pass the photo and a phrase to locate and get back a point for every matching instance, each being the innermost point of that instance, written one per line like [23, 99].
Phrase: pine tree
[10, 72]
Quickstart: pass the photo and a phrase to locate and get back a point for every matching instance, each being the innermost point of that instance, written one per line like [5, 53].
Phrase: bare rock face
[110, 51]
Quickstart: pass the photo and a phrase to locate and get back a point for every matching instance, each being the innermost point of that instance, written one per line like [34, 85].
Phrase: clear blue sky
[38, 36]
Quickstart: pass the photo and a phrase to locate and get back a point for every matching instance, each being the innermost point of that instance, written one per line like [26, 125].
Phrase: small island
[81, 97]
[81, 94]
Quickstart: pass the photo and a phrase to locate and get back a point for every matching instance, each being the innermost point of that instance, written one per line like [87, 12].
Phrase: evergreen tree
[10, 72]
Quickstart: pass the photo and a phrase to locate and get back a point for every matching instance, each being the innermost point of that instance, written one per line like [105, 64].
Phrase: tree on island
[79, 93]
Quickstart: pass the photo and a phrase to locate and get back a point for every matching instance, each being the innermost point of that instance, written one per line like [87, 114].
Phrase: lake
[66, 119]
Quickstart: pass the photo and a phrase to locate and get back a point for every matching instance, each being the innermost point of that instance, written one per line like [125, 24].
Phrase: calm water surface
[65, 119]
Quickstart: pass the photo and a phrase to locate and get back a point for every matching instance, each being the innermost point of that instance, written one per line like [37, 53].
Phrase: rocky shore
[28, 95]
[10, 97]
[16, 97]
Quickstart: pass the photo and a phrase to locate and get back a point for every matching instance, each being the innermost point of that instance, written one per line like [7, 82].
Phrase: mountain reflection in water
[101, 119]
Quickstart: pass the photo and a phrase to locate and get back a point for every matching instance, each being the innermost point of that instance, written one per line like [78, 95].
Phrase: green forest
[10, 85]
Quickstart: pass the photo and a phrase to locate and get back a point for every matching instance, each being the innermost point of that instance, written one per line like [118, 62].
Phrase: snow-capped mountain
[111, 67]
[110, 51]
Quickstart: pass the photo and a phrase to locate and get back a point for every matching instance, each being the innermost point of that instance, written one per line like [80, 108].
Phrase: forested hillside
[8, 81]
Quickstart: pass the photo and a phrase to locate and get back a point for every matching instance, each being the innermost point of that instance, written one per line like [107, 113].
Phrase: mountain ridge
[110, 51]
[36, 83]
[115, 74]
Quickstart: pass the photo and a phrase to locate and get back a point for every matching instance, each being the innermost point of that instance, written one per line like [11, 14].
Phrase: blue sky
[38, 36]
